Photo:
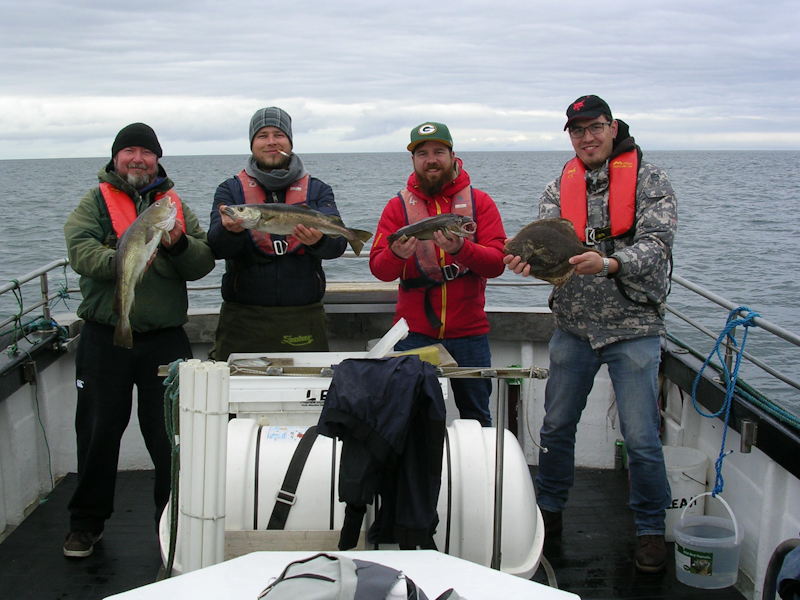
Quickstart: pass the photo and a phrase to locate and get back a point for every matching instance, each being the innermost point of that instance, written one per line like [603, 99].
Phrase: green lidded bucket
[707, 549]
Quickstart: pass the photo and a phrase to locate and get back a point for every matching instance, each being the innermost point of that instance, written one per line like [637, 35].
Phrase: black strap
[285, 498]
[448, 274]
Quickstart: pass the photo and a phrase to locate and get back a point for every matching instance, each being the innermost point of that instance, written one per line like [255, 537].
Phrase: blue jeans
[633, 368]
[471, 395]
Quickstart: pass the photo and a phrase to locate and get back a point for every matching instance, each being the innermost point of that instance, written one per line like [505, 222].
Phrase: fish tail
[357, 238]
[356, 245]
[123, 336]
[362, 235]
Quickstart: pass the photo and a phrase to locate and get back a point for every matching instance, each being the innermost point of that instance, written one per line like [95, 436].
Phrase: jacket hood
[461, 181]
[624, 141]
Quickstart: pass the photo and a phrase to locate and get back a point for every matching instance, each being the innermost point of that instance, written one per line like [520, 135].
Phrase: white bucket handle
[727, 506]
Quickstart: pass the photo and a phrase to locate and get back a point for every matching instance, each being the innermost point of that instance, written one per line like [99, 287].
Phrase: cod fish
[281, 219]
[134, 250]
[547, 245]
[448, 224]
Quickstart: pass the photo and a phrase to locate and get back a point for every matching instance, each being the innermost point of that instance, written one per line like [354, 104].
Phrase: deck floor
[593, 559]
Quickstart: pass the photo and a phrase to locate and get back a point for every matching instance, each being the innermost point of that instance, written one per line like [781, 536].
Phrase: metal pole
[45, 297]
[498, 479]
[729, 352]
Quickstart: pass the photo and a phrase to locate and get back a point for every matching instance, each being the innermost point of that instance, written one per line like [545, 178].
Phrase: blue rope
[730, 380]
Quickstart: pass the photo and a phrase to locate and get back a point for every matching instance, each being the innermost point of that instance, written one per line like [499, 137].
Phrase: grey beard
[138, 182]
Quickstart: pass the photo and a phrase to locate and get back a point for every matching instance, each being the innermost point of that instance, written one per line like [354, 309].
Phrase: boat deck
[594, 556]
[593, 559]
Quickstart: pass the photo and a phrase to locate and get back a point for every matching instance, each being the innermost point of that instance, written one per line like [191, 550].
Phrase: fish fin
[560, 280]
[356, 245]
[334, 218]
[123, 336]
[565, 225]
[361, 234]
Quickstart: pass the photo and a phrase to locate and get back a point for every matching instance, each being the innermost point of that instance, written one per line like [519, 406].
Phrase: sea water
[738, 227]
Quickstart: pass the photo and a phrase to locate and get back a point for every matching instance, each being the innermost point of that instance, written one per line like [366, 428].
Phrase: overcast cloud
[357, 75]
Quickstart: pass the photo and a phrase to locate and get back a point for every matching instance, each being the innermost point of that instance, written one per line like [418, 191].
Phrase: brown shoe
[651, 553]
[80, 544]
[552, 523]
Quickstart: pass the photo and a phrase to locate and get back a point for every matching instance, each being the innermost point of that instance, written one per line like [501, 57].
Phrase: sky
[356, 76]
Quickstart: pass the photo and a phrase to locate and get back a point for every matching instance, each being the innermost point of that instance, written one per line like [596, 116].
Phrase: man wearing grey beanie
[273, 285]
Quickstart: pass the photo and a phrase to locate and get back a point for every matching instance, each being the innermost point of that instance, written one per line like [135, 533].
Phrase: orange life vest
[122, 210]
[622, 174]
[429, 257]
[296, 193]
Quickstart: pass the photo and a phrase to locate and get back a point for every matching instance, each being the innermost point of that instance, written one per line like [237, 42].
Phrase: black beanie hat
[136, 134]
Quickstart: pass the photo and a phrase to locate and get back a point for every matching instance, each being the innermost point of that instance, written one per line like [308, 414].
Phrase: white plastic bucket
[707, 549]
[686, 471]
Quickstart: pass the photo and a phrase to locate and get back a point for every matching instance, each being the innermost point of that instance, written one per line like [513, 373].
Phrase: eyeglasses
[577, 133]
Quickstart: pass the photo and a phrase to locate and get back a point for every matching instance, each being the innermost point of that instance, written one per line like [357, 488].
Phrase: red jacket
[458, 303]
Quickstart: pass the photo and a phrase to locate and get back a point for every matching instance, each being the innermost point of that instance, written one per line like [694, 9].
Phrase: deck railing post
[729, 353]
[500, 428]
[45, 297]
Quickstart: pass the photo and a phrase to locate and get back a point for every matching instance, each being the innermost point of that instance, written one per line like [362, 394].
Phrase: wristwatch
[604, 271]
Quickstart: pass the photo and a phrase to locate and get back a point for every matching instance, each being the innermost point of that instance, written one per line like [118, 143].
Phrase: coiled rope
[172, 421]
[729, 378]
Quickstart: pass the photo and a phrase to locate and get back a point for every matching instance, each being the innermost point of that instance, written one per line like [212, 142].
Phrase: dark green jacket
[160, 298]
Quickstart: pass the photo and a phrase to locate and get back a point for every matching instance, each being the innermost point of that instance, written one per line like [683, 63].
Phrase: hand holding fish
[404, 248]
[451, 245]
[306, 235]
[229, 223]
[591, 263]
[171, 237]
[516, 264]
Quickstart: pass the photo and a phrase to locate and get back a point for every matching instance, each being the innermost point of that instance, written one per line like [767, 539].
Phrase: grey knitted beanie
[271, 117]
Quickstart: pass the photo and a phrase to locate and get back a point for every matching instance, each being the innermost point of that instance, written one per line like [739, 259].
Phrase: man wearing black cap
[106, 373]
[443, 280]
[273, 284]
[610, 313]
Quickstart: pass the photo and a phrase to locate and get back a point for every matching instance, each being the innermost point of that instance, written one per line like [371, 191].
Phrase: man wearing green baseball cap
[443, 279]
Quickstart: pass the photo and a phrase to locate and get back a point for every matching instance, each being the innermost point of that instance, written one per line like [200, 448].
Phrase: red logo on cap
[578, 105]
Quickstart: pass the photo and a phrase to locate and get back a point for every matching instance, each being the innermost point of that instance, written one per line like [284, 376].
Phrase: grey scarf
[277, 179]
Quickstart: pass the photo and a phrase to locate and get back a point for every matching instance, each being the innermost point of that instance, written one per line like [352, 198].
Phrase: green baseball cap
[437, 132]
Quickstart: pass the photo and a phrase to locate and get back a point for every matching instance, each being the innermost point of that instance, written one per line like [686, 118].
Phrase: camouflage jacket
[596, 308]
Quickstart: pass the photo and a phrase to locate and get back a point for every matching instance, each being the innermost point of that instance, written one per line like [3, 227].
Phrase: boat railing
[730, 348]
[46, 298]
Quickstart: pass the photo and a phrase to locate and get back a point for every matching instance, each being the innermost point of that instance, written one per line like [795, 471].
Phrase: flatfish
[547, 245]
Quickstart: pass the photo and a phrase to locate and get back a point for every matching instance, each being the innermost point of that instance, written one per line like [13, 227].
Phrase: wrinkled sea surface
[738, 229]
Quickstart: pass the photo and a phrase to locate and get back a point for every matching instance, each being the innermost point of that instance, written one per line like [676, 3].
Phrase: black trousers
[105, 376]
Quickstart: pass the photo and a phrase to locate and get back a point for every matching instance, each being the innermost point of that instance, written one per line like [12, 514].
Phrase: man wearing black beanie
[105, 371]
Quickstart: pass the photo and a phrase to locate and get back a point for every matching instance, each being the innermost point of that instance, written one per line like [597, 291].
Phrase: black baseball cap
[587, 107]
